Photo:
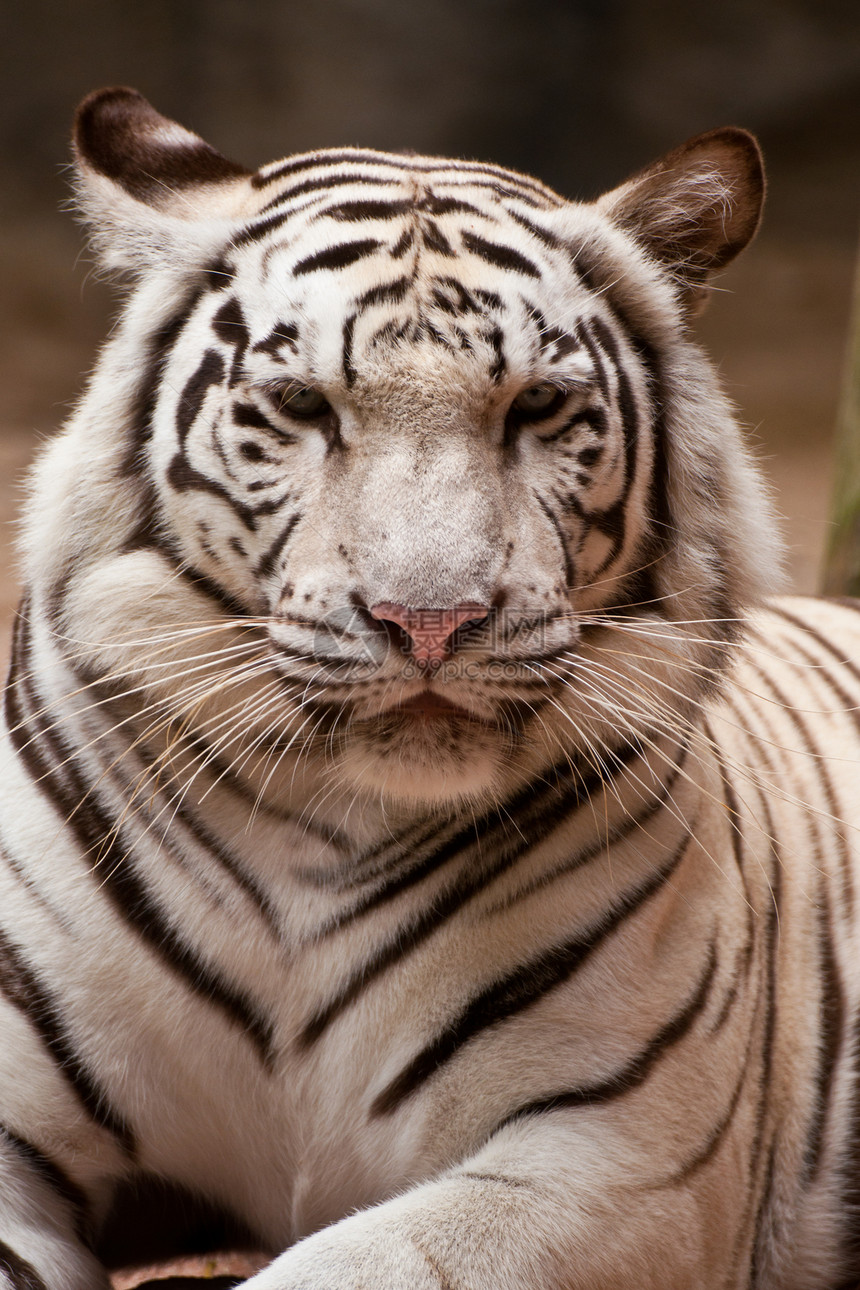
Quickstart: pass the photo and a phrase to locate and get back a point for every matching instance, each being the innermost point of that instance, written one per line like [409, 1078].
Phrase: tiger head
[415, 458]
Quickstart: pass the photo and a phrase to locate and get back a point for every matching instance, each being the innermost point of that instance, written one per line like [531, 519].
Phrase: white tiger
[418, 842]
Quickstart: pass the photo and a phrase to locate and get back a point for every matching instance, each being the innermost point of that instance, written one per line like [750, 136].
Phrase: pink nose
[429, 630]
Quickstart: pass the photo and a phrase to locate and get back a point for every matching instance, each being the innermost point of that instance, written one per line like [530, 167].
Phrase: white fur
[265, 839]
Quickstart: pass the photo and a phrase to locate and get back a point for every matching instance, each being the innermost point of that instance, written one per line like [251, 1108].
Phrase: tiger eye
[303, 402]
[538, 400]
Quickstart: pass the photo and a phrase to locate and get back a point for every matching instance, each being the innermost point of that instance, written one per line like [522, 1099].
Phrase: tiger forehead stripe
[369, 208]
[337, 257]
[366, 208]
[324, 183]
[502, 257]
[439, 166]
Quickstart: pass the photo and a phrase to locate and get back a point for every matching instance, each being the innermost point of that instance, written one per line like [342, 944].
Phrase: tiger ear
[696, 208]
[150, 189]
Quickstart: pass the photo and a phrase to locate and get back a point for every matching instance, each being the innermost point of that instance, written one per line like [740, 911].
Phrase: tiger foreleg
[43, 1226]
[541, 1207]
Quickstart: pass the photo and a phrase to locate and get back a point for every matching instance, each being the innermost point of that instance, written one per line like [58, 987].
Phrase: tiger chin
[411, 758]
[427, 849]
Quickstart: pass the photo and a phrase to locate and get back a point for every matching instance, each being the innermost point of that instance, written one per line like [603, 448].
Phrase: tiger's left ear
[151, 190]
[695, 208]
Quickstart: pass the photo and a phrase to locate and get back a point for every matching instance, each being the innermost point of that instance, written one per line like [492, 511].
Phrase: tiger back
[423, 838]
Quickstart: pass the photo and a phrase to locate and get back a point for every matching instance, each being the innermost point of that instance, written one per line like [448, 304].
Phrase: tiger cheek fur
[422, 839]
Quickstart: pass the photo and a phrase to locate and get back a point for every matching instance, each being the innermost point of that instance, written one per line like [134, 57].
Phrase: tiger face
[399, 425]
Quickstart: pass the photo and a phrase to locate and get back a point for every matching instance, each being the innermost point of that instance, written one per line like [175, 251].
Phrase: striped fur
[530, 968]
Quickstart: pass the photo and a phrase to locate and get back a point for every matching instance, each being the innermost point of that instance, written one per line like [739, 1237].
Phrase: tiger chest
[380, 1045]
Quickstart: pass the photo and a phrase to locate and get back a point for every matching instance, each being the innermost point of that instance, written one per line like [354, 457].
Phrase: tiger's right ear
[153, 193]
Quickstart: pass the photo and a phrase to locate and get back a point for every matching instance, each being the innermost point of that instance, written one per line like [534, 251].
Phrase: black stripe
[210, 372]
[256, 232]
[247, 414]
[771, 944]
[386, 293]
[437, 205]
[366, 208]
[850, 1166]
[392, 331]
[281, 334]
[569, 570]
[161, 348]
[218, 274]
[323, 183]
[635, 1072]
[440, 167]
[229, 324]
[612, 521]
[762, 1237]
[349, 372]
[261, 228]
[154, 366]
[42, 750]
[503, 257]
[664, 527]
[216, 851]
[18, 867]
[204, 585]
[225, 773]
[464, 303]
[596, 418]
[850, 707]
[439, 338]
[505, 190]
[832, 1006]
[183, 477]
[320, 160]
[527, 985]
[812, 747]
[550, 337]
[502, 1179]
[845, 664]
[402, 245]
[434, 239]
[267, 560]
[583, 335]
[601, 843]
[495, 339]
[490, 298]
[732, 809]
[542, 234]
[24, 991]
[532, 814]
[337, 257]
[21, 1274]
[832, 1026]
[55, 1178]
[709, 1148]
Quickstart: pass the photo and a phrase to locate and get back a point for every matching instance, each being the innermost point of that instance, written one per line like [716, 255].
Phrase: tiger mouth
[429, 705]
[429, 710]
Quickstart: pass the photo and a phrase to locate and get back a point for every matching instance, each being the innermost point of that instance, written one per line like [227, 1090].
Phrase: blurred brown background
[577, 91]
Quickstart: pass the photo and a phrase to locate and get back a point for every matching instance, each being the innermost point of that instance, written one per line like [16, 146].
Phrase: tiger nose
[429, 630]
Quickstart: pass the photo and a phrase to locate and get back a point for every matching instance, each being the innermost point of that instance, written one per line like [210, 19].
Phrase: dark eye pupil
[537, 398]
[305, 402]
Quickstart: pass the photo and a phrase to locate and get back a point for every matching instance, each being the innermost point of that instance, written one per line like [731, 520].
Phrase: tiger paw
[354, 1256]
